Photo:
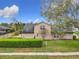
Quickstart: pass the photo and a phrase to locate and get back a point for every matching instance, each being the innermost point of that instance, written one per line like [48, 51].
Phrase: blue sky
[29, 10]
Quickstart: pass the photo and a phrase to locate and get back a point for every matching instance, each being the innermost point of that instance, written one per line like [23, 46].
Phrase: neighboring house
[28, 28]
[75, 29]
[3, 29]
[76, 32]
[34, 31]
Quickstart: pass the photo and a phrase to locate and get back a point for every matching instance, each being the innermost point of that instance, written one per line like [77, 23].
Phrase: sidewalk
[44, 53]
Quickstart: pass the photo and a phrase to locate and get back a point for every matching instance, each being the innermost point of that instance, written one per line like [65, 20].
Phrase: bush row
[21, 44]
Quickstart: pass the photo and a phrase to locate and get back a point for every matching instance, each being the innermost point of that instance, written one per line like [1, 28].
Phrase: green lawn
[59, 46]
[39, 57]
[23, 57]
[48, 46]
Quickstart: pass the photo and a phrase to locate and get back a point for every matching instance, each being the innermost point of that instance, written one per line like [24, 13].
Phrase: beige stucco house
[43, 29]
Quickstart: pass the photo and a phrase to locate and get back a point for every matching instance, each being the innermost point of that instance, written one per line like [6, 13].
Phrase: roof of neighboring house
[3, 28]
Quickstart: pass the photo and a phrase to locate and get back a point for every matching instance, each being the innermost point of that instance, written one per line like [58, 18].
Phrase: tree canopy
[61, 8]
[62, 11]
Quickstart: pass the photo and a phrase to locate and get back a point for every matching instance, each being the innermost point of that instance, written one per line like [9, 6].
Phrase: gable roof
[42, 22]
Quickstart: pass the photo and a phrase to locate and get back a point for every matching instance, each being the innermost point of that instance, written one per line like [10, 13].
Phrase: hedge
[21, 43]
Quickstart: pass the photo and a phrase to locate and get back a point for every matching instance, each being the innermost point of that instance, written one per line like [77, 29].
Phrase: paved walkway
[44, 53]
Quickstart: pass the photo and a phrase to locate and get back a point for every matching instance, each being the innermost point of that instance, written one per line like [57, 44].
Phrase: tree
[56, 9]
[57, 32]
[61, 12]
[16, 26]
[4, 24]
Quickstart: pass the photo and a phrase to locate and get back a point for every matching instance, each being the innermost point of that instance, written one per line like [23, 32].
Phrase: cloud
[9, 11]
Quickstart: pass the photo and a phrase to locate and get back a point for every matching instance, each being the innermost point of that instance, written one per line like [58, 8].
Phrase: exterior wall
[68, 36]
[26, 35]
[1, 32]
[47, 36]
[37, 34]
[37, 30]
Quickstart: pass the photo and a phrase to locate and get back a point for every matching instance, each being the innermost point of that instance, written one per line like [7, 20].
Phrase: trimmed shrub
[21, 43]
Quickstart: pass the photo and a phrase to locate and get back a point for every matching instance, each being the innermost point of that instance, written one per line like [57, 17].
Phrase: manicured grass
[23, 57]
[63, 57]
[48, 46]
[39, 57]
[59, 46]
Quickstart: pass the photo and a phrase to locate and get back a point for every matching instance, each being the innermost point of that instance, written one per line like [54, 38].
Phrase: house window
[42, 27]
[56, 36]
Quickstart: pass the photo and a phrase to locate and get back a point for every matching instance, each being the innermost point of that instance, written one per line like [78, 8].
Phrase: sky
[23, 10]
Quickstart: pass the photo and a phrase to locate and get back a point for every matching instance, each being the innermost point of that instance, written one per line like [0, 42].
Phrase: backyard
[47, 46]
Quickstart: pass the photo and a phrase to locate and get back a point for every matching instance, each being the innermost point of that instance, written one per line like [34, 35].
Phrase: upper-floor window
[42, 27]
[56, 36]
